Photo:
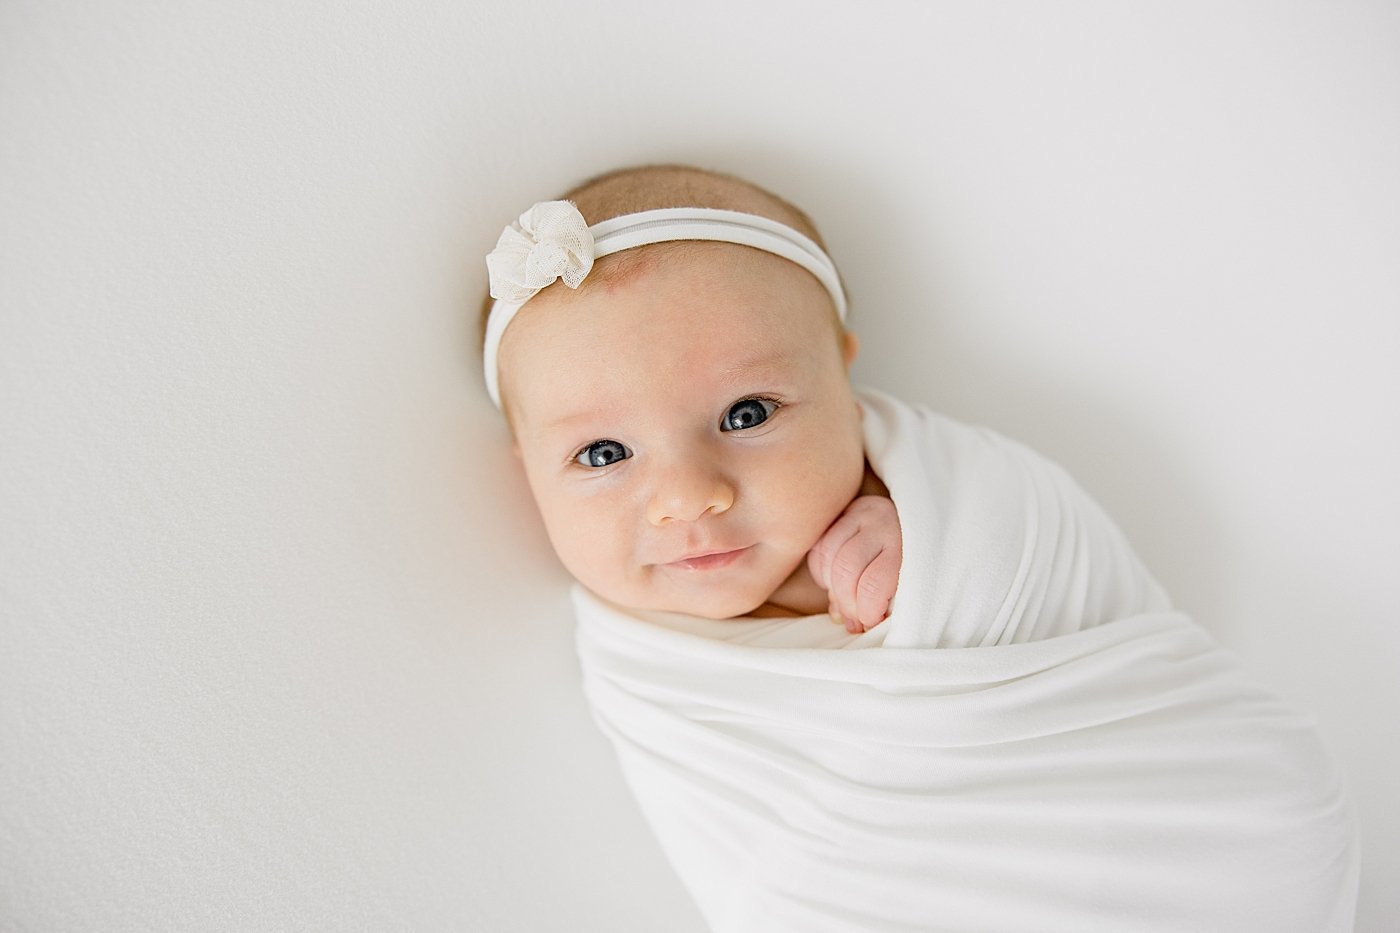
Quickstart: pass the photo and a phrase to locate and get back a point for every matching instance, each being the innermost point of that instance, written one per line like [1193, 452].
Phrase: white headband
[552, 241]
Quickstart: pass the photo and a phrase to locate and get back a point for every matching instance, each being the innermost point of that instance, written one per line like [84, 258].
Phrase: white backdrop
[283, 646]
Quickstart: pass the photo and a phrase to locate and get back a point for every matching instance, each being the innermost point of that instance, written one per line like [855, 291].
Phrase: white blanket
[1033, 741]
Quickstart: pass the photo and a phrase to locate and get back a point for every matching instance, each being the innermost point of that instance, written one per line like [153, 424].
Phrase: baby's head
[683, 415]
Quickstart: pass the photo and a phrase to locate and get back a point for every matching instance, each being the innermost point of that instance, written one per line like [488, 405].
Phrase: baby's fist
[857, 562]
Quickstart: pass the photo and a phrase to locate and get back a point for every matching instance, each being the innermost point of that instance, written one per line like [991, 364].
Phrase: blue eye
[749, 413]
[601, 454]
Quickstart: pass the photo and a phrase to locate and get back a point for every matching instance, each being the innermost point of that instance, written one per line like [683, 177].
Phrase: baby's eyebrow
[744, 369]
[732, 372]
[570, 418]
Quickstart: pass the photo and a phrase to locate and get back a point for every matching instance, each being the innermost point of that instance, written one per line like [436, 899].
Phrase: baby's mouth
[708, 560]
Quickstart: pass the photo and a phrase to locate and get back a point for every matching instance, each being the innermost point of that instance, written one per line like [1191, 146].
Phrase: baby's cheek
[564, 528]
[838, 488]
[816, 510]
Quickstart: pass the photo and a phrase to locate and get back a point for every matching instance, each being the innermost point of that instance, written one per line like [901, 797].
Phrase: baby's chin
[763, 598]
[723, 600]
[712, 607]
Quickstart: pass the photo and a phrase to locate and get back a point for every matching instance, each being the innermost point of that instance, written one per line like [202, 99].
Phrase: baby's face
[689, 433]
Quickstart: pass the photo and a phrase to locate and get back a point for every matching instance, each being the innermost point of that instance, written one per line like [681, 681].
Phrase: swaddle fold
[1032, 741]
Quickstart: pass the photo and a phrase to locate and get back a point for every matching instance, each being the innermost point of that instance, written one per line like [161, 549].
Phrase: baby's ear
[850, 346]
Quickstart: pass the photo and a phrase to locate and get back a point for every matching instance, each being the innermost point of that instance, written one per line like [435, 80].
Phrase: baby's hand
[857, 562]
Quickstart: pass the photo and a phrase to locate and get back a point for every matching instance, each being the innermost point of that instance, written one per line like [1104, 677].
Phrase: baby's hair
[652, 187]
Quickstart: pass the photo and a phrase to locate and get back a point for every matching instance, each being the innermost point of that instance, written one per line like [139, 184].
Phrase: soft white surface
[282, 646]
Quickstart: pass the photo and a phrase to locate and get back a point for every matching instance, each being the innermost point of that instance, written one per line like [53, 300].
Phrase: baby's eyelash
[573, 457]
[770, 407]
[776, 402]
[578, 455]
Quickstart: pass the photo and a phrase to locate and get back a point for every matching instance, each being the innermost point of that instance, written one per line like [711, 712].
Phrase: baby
[682, 408]
[1033, 739]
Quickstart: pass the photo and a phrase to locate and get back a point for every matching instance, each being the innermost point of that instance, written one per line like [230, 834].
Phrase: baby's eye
[749, 413]
[601, 454]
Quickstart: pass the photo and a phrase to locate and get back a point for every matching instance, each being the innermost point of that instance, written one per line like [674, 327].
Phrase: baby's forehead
[618, 270]
[714, 308]
[698, 287]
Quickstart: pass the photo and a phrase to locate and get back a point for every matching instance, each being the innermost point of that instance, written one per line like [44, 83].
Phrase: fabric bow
[550, 241]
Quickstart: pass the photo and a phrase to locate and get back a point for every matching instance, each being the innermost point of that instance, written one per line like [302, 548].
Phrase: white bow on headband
[552, 241]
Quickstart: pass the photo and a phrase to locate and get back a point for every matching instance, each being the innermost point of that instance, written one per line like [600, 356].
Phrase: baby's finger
[876, 587]
[851, 625]
[820, 557]
[847, 567]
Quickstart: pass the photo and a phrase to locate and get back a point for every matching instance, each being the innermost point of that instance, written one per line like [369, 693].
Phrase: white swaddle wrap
[1033, 741]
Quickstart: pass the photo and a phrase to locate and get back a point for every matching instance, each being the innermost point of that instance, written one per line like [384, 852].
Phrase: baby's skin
[692, 441]
[854, 566]
[857, 562]
[688, 430]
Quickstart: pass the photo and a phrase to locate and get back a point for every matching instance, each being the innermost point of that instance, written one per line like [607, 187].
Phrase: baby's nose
[686, 492]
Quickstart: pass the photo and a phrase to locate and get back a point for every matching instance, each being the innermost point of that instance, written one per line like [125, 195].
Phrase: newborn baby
[1022, 735]
[686, 423]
